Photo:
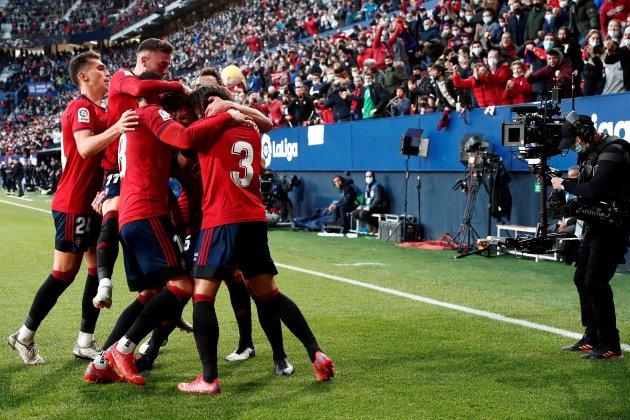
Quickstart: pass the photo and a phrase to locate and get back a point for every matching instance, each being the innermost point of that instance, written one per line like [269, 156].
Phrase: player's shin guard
[107, 246]
[206, 335]
[273, 329]
[126, 320]
[46, 297]
[241, 304]
[89, 314]
[292, 317]
[166, 306]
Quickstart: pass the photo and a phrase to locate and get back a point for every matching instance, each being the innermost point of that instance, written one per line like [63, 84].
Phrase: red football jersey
[145, 155]
[230, 171]
[81, 178]
[191, 197]
[124, 87]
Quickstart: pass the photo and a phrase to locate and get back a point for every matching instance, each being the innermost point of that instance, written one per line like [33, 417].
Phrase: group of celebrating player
[174, 248]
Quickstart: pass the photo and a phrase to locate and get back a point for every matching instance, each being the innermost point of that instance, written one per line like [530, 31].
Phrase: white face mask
[426, 27]
[455, 33]
[469, 18]
[487, 20]
[549, 17]
[563, 4]
[593, 42]
[492, 62]
[625, 43]
[368, 180]
[477, 51]
[614, 34]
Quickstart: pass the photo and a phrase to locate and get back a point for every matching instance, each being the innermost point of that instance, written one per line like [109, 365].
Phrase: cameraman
[604, 171]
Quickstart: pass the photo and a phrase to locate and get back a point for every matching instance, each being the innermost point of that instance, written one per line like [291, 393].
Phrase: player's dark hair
[211, 71]
[79, 63]
[149, 75]
[199, 97]
[172, 101]
[155, 45]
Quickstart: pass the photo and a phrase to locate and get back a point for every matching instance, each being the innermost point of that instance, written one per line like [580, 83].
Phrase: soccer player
[186, 170]
[153, 55]
[234, 233]
[83, 125]
[152, 251]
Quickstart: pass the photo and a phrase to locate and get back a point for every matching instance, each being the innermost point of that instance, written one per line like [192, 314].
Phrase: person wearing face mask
[374, 201]
[593, 73]
[551, 23]
[620, 54]
[535, 20]
[429, 31]
[613, 9]
[614, 30]
[492, 79]
[517, 21]
[570, 49]
[394, 76]
[604, 171]
[490, 32]
[584, 16]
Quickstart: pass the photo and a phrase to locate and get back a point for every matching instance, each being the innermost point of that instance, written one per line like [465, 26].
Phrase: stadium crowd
[390, 58]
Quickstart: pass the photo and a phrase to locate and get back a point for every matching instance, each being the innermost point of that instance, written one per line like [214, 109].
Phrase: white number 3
[245, 163]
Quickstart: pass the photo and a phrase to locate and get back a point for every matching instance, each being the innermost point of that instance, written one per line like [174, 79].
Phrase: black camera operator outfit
[603, 177]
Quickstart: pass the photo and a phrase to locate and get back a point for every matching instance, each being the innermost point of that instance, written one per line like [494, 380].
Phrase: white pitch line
[485, 314]
[25, 206]
[472, 311]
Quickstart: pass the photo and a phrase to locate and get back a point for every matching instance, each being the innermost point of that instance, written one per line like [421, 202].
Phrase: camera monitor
[410, 143]
[513, 134]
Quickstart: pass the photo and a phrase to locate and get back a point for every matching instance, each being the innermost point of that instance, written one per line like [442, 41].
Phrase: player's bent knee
[66, 276]
[182, 295]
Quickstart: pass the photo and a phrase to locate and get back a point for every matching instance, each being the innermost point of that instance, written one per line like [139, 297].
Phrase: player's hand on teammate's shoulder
[238, 118]
[217, 105]
[127, 122]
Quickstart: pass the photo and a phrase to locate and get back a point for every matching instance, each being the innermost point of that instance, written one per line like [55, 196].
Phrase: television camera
[275, 193]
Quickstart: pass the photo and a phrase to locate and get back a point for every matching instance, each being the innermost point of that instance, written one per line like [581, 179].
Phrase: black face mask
[517, 11]
[563, 40]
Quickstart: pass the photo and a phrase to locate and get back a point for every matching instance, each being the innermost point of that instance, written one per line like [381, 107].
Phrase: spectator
[508, 49]
[614, 31]
[490, 32]
[585, 17]
[400, 104]
[373, 99]
[301, 108]
[493, 78]
[374, 201]
[593, 73]
[535, 20]
[516, 23]
[613, 9]
[356, 106]
[442, 89]
[570, 49]
[551, 23]
[614, 54]
[340, 101]
[419, 85]
[394, 76]
[517, 89]
[556, 68]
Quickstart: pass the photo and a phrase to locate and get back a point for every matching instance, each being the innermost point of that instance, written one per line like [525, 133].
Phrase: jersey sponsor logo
[165, 115]
[83, 115]
[614, 128]
[282, 149]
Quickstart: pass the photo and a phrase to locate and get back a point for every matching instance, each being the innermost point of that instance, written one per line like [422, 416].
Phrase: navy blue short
[243, 245]
[153, 253]
[190, 245]
[76, 232]
[111, 184]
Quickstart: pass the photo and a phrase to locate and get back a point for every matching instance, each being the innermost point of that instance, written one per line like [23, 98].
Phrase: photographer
[604, 171]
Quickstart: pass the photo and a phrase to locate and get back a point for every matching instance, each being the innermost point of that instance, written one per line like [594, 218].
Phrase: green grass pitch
[395, 357]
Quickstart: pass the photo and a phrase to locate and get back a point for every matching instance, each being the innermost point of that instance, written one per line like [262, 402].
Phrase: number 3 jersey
[230, 170]
[145, 156]
[81, 178]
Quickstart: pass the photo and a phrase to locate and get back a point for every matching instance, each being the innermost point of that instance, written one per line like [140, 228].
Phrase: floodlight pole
[403, 234]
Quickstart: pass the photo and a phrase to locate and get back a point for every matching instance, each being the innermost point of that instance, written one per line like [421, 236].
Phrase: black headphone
[585, 131]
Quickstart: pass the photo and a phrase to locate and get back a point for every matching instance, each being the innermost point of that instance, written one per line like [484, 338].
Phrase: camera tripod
[467, 234]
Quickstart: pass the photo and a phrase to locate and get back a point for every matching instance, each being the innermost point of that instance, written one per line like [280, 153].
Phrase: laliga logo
[282, 149]
[611, 128]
